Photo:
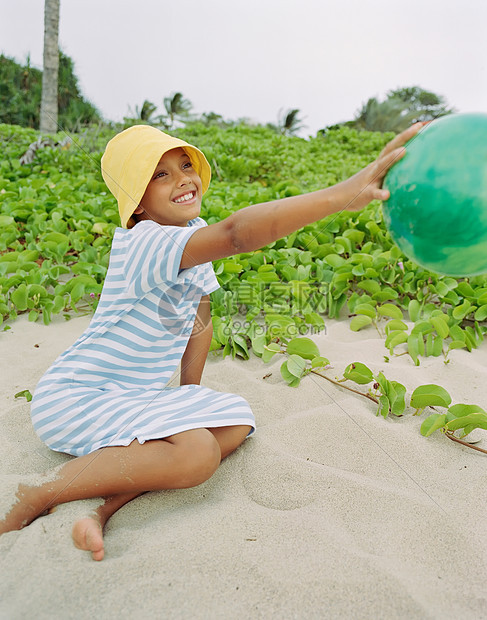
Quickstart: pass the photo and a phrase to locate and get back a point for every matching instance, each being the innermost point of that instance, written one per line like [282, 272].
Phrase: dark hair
[135, 218]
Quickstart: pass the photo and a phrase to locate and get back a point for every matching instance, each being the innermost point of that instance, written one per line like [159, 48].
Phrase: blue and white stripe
[109, 387]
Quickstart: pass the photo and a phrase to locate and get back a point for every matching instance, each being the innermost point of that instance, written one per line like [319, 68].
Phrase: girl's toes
[88, 535]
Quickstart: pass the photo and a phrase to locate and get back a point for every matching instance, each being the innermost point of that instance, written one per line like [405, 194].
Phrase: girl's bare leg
[180, 461]
[88, 532]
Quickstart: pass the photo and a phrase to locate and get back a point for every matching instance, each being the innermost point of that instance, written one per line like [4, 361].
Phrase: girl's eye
[188, 164]
[160, 174]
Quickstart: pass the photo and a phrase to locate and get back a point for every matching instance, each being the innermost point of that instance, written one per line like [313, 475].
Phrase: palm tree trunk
[49, 105]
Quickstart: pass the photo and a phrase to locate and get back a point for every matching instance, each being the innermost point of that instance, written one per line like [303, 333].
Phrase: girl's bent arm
[255, 226]
[194, 357]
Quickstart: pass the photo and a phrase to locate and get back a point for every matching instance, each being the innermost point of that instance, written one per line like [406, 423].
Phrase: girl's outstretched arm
[255, 226]
[194, 357]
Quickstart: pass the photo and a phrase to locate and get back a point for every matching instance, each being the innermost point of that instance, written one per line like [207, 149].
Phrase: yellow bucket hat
[130, 159]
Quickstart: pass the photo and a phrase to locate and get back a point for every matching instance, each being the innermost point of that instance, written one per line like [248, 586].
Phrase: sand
[326, 512]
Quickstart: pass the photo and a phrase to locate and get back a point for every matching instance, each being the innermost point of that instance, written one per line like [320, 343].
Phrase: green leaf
[470, 339]
[242, 346]
[434, 345]
[438, 347]
[356, 236]
[290, 379]
[457, 333]
[57, 238]
[481, 313]
[366, 310]
[227, 349]
[422, 327]
[386, 294]
[269, 351]
[433, 423]
[461, 410]
[58, 304]
[468, 429]
[440, 325]
[77, 292]
[461, 311]
[394, 339]
[320, 362]
[414, 347]
[476, 420]
[479, 331]
[430, 395]
[384, 405]
[398, 404]
[24, 394]
[456, 344]
[334, 260]
[465, 289]
[19, 297]
[414, 309]
[358, 373]
[258, 344]
[304, 347]
[358, 322]
[36, 289]
[476, 336]
[395, 325]
[314, 319]
[371, 286]
[390, 310]
[296, 365]
[231, 267]
[384, 384]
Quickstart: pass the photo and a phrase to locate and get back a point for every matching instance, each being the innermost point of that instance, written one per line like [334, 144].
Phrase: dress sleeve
[210, 283]
[202, 276]
[154, 254]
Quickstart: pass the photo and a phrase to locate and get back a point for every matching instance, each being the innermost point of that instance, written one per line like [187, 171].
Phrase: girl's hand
[366, 185]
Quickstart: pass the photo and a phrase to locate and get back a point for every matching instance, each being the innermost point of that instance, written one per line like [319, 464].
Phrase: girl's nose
[184, 179]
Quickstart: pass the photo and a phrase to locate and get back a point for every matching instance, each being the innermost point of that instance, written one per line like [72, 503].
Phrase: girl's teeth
[184, 198]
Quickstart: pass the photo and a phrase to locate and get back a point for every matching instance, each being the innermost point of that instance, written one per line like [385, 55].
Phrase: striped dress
[110, 386]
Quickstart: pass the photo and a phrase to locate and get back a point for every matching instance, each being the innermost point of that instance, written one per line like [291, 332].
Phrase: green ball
[437, 210]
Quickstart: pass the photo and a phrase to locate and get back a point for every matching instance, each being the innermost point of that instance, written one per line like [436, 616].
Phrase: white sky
[253, 58]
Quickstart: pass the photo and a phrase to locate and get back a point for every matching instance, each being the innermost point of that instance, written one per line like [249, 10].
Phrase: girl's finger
[403, 137]
[389, 159]
[382, 194]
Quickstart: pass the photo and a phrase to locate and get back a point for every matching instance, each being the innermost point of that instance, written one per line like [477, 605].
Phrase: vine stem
[345, 387]
[465, 443]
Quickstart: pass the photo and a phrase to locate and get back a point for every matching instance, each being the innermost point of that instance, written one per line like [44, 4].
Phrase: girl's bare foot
[88, 535]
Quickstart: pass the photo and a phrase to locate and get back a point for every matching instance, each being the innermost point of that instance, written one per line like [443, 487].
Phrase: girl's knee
[230, 437]
[199, 457]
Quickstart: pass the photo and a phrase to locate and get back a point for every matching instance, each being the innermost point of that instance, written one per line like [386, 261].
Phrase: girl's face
[173, 195]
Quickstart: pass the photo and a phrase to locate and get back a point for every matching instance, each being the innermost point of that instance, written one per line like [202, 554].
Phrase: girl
[106, 400]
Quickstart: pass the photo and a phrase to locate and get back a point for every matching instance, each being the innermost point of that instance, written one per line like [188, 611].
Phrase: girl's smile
[186, 198]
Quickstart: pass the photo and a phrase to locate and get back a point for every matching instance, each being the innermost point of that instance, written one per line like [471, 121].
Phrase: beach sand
[327, 511]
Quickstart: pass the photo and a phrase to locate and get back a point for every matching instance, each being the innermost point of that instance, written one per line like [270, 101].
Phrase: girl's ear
[139, 210]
